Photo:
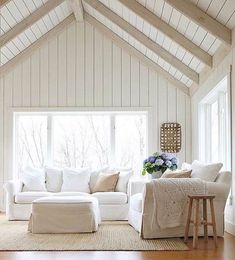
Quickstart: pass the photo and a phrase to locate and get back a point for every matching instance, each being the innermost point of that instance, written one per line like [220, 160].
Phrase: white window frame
[50, 114]
[220, 93]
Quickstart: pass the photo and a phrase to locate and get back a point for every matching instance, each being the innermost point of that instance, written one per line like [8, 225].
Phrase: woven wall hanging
[170, 137]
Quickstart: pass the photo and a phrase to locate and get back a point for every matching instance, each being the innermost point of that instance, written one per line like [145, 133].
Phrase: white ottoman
[57, 214]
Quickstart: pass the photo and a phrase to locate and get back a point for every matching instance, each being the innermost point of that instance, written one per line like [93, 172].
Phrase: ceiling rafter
[3, 2]
[28, 51]
[142, 38]
[133, 51]
[28, 21]
[203, 19]
[77, 7]
[166, 29]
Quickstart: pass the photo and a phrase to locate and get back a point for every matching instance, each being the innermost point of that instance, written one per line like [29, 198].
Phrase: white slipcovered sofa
[142, 209]
[113, 205]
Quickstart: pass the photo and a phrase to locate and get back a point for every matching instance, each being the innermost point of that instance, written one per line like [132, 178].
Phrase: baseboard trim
[230, 228]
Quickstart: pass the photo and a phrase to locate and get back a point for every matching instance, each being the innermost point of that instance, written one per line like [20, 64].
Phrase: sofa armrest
[12, 188]
[136, 186]
[220, 190]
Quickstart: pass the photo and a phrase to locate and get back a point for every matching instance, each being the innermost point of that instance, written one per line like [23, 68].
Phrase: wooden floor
[225, 250]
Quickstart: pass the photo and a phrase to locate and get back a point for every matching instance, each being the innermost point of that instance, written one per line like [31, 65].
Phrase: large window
[77, 140]
[215, 126]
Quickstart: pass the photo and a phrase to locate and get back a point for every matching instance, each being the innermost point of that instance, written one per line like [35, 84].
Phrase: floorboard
[225, 251]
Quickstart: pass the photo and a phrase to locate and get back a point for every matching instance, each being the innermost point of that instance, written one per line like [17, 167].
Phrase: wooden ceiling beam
[3, 2]
[142, 38]
[203, 19]
[132, 51]
[28, 21]
[77, 8]
[169, 31]
[28, 51]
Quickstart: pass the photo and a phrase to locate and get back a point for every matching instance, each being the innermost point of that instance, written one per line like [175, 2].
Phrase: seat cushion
[111, 197]
[136, 202]
[28, 197]
[71, 193]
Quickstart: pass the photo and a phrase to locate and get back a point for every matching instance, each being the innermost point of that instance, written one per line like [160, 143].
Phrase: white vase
[156, 175]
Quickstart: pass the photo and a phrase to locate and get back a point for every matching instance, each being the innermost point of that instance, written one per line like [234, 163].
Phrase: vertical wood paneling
[117, 75]
[98, 69]
[162, 101]
[44, 75]
[135, 81]
[80, 65]
[153, 102]
[71, 52]
[26, 83]
[172, 103]
[89, 65]
[188, 130]
[108, 63]
[126, 84]
[53, 72]
[62, 69]
[144, 88]
[35, 79]
[181, 113]
[17, 86]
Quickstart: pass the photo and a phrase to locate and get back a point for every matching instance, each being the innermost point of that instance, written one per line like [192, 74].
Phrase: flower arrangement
[159, 162]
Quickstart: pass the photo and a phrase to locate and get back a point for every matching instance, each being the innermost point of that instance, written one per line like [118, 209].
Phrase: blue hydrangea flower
[168, 164]
[159, 162]
[164, 156]
[145, 161]
[151, 159]
[174, 160]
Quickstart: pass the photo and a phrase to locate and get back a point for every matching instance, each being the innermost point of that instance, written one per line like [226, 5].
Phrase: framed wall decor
[170, 137]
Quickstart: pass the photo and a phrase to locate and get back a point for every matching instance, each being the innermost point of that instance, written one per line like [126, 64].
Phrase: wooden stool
[196, 221]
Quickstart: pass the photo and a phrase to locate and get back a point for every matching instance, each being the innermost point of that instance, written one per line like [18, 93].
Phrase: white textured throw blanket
[171, 200]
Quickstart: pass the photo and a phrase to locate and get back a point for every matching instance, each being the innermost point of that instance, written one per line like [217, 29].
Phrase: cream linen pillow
[54, 179]
[177, 174]
[206, 172]
[106, 182]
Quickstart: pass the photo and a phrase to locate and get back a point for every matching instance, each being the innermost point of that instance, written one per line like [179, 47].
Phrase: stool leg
[205, 220]
[196, 222]
[213, 221]
[188, 220]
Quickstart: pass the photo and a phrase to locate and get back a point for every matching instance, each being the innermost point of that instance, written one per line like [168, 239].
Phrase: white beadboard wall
[83, 69]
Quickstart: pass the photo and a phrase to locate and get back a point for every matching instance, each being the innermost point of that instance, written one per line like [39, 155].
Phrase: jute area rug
[115, 235]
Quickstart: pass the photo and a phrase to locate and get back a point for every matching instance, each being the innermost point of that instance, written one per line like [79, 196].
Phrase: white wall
[226, 67]
[82, 69]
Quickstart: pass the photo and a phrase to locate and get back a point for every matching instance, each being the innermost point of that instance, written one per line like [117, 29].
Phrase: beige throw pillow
[106, 182]
[177, 174]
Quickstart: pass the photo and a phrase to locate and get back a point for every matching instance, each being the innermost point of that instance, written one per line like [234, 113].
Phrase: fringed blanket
[171, 200]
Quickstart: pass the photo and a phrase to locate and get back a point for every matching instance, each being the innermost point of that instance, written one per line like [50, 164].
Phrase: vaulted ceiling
[179, 37]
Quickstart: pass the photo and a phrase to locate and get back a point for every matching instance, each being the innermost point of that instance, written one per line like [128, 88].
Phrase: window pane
[130, 141]
[214, 132]
[81, 141]
[32, 141]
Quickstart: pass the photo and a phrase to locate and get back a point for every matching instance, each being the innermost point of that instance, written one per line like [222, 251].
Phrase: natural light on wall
[214, 128]
[78, 140]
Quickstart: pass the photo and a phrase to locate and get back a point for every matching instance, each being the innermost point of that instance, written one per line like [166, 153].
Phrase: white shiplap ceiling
[14, 12]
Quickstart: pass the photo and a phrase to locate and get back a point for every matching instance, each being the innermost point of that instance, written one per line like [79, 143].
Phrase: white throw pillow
[76, 180]
[206, 172]
[123, 180]
[33, 179]
[54, 179]
[186, 166]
